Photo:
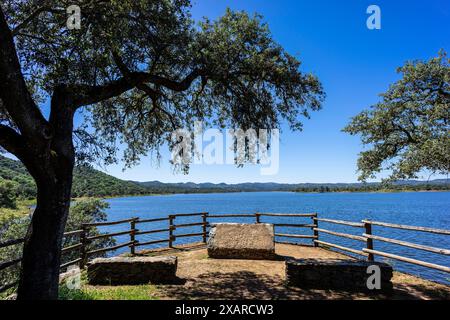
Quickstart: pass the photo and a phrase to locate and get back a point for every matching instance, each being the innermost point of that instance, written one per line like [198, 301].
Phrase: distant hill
[191, 187]
[88, 182]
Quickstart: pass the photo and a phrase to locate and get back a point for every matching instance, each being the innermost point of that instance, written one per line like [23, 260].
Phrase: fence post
[258, 217]
[369, 241]
[171, 228]
[205, 222]
[83, 248]
[315, 231]
[133, 235]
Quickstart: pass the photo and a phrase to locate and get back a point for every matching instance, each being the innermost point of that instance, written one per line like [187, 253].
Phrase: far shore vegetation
[18, 192]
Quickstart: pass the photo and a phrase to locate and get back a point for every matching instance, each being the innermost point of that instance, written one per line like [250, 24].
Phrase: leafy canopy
[144, 68]
[408, 131]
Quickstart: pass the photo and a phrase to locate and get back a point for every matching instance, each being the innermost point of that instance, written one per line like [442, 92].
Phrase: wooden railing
[9, 243]
[137, 227]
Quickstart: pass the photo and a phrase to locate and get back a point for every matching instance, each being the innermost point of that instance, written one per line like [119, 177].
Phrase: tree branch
[175, 85]
[86, 95]
[14, 93]
[11, 140]
[33, 16]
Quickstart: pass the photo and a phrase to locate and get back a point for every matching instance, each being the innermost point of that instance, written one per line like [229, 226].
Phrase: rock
[241, 241]
[349, 275]
[132, 270]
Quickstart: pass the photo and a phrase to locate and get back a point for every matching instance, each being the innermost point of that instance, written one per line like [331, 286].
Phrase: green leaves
[228, 72]
[408, 131]
[8, 194]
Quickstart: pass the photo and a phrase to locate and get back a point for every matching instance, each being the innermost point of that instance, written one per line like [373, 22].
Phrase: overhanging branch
[86, 95]
[14, 93]
[11, 140]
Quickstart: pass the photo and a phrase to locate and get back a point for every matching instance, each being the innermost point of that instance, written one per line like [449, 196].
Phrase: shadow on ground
[249, 285]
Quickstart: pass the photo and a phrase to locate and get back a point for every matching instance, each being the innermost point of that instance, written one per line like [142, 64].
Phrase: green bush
[8, 194]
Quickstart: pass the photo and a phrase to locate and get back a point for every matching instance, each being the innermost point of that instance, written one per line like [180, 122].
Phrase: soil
[205, 278]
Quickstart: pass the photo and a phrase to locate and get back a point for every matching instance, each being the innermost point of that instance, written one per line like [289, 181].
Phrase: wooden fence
[137, 227]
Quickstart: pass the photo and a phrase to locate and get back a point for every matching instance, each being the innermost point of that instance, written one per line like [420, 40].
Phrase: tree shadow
[420, 291]
[248, 285]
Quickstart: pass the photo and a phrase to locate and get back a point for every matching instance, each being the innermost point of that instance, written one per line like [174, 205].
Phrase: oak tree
[136, 71]
[408, 132]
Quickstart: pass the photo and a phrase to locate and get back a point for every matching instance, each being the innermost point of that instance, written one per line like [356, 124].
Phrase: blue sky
[353, 63]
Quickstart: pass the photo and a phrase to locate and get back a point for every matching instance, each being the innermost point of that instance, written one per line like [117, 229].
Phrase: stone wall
[241, 241]
[335, 274]
[132, 270]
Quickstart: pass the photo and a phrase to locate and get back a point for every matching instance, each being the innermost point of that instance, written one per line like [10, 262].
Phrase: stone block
[132, 270]
[348, 275]
[241, 241]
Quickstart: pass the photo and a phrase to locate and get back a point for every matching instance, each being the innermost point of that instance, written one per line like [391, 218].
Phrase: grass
[141, 292]
[22, 208]
[88, 292]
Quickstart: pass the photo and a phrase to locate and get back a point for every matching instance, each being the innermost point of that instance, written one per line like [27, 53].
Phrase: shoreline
[262, 191]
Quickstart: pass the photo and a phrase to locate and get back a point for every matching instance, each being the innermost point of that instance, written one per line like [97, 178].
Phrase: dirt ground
[205, 278]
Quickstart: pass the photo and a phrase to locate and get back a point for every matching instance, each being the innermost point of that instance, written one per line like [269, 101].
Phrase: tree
[408, 131]
[8, 190]
[84, 211]
[137, 70]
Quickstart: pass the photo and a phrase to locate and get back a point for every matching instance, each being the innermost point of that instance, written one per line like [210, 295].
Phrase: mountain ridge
[89, 182]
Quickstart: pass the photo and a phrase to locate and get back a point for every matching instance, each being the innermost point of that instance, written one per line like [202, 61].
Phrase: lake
[428, 209]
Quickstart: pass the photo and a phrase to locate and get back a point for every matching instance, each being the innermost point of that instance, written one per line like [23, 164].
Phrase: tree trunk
[42, 249]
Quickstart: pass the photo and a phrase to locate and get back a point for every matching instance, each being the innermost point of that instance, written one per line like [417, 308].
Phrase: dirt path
[204, 278]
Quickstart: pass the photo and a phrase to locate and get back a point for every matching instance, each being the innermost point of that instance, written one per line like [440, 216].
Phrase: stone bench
[349, 275]
[132, 270]
[241, 241]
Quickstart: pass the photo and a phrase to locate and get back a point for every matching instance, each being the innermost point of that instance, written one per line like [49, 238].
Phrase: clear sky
[354, 64]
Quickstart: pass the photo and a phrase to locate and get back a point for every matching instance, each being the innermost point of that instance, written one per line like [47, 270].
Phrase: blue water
[429, 209]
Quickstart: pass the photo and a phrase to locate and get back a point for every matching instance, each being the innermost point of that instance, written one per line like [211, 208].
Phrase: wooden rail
[108, 235]
[74, 232]
[405, 227]
[410, 245]
[214, 216]
[9, 286]
[328, 244]
[294, 236]
[151, 242]
[345, 223]
[152, 220]
[8, 264]
[11, 242]
[343, 235]
[291, 225]
[108, 223]
[127, 244]
[72, 247]
[151, 231]
[70, 263]
[366, 227]
[409, 260]
[295, 215]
